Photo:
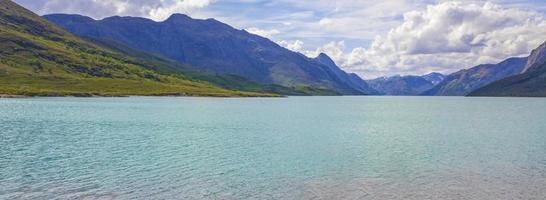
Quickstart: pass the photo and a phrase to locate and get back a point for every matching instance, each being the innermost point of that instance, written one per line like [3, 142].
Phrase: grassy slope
[232, 82]
[529, 84]
[38, 58]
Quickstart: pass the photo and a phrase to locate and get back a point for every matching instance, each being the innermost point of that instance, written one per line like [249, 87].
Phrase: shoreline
[16, 96]
[11, 96]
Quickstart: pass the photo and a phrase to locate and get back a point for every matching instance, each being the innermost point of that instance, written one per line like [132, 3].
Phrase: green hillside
[232, 82]
[41, 59]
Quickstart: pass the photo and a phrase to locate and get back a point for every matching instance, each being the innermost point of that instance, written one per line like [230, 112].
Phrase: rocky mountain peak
[537, 58]
[325, 59]
[177, 17]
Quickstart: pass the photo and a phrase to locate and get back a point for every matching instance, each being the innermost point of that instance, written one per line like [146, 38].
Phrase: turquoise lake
[273, 148]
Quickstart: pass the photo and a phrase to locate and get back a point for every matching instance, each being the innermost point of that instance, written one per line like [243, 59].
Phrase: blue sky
[370, 37]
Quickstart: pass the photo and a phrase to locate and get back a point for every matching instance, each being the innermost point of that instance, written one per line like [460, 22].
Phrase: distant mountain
[434, 78]
[215, 47]
[405, 85]
[342, 76]
[41, 59]
[531, 83]
[465, 81]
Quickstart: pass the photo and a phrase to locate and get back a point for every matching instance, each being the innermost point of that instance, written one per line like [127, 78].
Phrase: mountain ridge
[410, 85]
[537, 57]
[464, 81]
[38, 58]
[231, 82]
[214, 47]
[348, 78]
[530, 83]
[434, 77]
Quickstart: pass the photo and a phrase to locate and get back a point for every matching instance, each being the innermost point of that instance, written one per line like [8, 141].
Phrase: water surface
[277, 148]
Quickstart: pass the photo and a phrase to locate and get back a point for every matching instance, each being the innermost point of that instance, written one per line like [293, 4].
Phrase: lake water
[277, 148]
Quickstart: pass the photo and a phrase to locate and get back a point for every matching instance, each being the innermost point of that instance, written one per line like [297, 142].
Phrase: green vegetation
[22, 83]
[40, 59]
[232, 82]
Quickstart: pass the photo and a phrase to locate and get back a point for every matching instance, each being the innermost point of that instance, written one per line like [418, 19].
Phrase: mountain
[434, 78]
[531, 83]
[38, 58]
[465, 81]
[342, 76]
[536, 59]
[231, 82]
[528, 84]
[405, 85]
[214, 47]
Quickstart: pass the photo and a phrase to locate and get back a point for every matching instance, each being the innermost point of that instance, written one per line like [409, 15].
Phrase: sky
[372, 38]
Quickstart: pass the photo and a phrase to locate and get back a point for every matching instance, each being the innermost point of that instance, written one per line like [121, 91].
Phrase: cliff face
[537, 57]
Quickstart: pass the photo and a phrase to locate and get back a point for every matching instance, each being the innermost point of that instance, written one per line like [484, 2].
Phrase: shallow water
[277, 148]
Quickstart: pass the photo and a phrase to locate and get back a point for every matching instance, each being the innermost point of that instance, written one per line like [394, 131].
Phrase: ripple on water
[290, 148]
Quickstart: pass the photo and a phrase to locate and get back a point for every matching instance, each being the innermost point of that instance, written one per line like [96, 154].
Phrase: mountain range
[38, 58]
[218, 48]
[530, 83]
[406, 85]
[517, 76]
[472, 81]
[463, 82]
[75, 55]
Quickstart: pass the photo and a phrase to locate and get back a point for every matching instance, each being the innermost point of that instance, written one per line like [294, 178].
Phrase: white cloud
[332, 49]
[180, 6]
[344, 19]
[263, 32]
[380, 37]
[445, 37]
[296, 46]
[154, 9]
[326, 22]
